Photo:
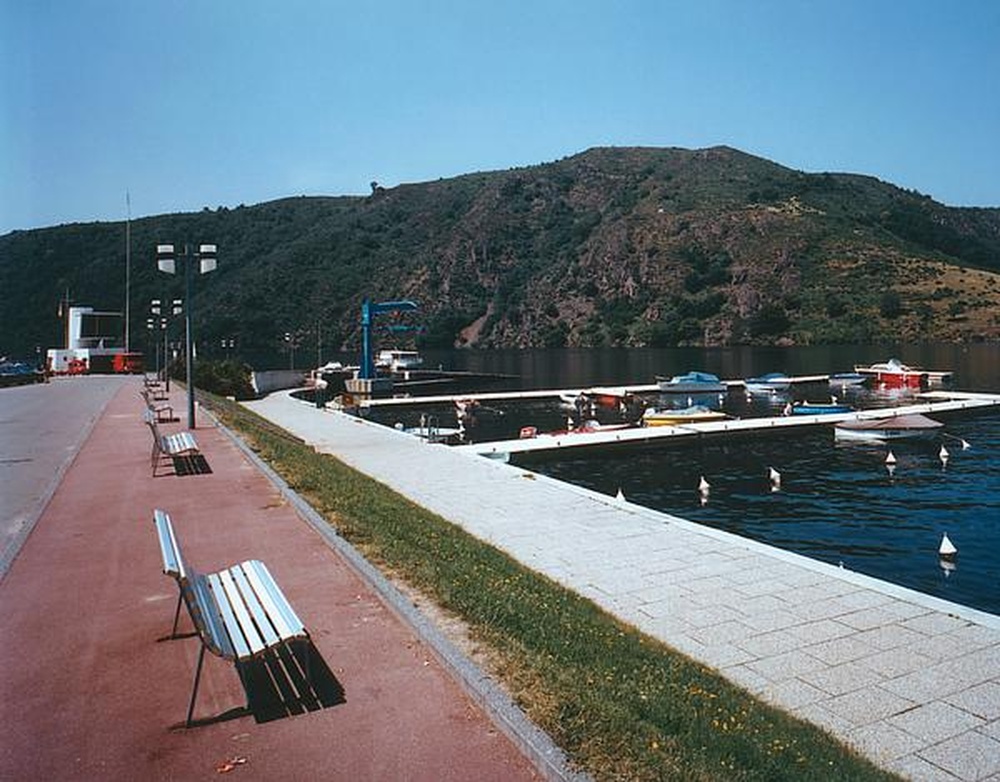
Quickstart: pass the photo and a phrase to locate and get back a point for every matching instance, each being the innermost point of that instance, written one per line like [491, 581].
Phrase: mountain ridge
[625, 246]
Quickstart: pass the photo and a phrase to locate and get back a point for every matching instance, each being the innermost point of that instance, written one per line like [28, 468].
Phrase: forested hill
[621, 246]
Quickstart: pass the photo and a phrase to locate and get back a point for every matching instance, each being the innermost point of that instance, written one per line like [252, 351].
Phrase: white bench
[239, 613]
[163, 413]
[168, 445]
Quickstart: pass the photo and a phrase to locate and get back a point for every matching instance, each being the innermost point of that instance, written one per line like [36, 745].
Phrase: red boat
[895, 374]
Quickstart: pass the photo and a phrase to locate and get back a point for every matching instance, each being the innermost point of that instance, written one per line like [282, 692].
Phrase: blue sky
[187, 104]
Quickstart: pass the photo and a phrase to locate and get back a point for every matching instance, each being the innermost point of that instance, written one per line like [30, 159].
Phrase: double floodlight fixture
[166, 258]
[156, 307]
[166, 262]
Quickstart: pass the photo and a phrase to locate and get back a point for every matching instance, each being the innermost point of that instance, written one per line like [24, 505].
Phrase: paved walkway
[88, 691]
[41, 429]
[911, 681]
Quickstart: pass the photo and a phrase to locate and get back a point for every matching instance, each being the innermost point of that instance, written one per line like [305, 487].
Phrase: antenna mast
[128, 261]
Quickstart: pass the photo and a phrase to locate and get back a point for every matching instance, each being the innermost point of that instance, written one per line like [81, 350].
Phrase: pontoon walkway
[502, 449]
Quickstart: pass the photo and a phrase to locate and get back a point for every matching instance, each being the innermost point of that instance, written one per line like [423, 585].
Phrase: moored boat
[817, 408]
[843, 379]
[895, 374]
[687, 415]
[588, 426]
[769, 383]
[398, 360]
[436, 434]
[691, 383]
[898, 427]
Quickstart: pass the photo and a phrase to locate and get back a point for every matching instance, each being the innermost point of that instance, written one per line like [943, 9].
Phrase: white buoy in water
[943, 455]
[890, 458]
[775, 477]
[620, 496]
[703, 485]
[690, 402]
[947, 549]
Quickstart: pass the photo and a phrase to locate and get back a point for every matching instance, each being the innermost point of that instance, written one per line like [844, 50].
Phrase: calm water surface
[838, 502]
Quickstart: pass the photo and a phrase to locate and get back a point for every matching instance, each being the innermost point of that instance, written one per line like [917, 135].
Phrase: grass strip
[620, 704]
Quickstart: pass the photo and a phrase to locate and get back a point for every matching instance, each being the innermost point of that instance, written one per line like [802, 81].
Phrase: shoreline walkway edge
[909, 680]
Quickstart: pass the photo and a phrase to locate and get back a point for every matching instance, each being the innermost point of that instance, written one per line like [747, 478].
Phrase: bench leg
[197, 678]
[177, 614]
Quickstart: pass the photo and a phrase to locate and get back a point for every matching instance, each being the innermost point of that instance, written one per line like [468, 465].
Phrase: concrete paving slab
[968, 756]
[982, 700]
[871, 704]
[919, 770]
[934, 722]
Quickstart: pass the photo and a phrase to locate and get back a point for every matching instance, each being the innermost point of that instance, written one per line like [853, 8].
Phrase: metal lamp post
[175, 310]
[151, 327]
[166, 261]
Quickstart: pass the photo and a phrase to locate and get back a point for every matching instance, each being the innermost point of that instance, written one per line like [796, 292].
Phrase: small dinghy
[899, 427]
[687, 415]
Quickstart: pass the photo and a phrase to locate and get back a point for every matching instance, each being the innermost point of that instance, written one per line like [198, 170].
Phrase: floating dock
[939, 402]
[555, 393]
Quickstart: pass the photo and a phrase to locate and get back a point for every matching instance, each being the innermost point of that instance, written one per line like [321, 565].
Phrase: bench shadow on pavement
[191, 464]
[290, 680]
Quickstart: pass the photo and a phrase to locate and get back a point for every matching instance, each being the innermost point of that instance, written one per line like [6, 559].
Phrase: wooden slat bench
[168, 445]
[240, 613]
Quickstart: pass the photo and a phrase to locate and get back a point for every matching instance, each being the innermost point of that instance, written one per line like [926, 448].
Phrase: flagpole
[128, 262]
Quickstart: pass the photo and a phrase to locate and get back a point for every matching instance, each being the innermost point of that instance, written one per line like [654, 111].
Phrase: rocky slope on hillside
[634, 246]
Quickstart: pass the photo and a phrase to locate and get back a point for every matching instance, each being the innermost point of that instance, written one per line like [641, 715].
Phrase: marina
[617, 391]
[838, 501]
[934, 402]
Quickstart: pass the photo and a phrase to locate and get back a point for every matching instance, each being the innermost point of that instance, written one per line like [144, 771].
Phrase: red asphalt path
[88, 692]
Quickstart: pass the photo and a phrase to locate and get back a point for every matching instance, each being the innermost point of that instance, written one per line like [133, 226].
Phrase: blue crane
[368, 313]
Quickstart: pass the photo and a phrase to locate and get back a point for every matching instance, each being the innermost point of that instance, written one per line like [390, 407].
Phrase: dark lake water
[837, 503]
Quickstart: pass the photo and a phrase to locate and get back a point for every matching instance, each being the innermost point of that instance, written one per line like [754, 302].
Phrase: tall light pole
[290, 341]
[166, 261]
[151, 326]
[175, 309]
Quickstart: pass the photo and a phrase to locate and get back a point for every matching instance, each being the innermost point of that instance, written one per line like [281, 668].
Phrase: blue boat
[692, 383]
[769, 383]
[816, 408]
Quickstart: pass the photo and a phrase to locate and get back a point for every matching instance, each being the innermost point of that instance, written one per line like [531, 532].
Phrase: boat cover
[896, 422]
